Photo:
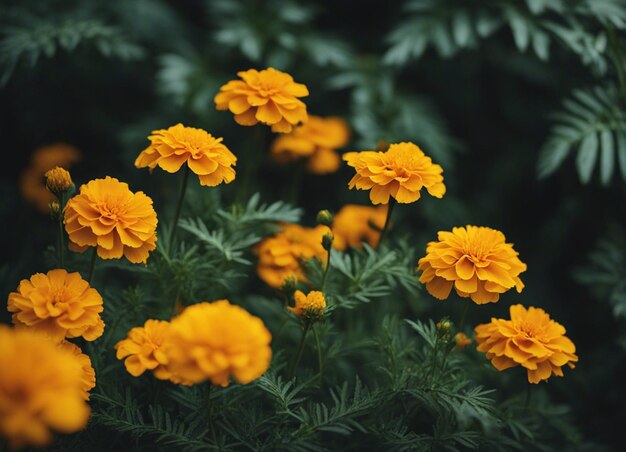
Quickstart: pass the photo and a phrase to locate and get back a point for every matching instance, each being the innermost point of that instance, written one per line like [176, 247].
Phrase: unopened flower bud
[382, 145]
[58, 180]
[289, 285]
[55, 209]
[325, 217]
[462, 340]
[327, 241]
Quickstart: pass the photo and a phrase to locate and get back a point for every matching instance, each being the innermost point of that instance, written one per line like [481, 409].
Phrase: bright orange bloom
[400, 172]
[118, 222]
[477, 261]
[352, 226]
[530, 339]
[58, 304]
[43, 159]
[317, 141]
[143, 349]
[280, 255]
[88, 380]
[462, 340]
[205, 154]
[214, 341]
[310, 306]
[268, 96]
[41, 389]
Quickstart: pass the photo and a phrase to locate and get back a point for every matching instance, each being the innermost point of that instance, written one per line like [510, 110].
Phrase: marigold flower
[88, 380]
[399, 172]
[317, 140]
[462, 340]
[530, 339]
[475, 260]
[310, 306]
[280, 255]
[205, 154]
[118, 222]
[353, 226]
[43, 159]
[268, 96]
[58, 304]
[41, 389]
[58, 180]
[214, 341]
[143, 349]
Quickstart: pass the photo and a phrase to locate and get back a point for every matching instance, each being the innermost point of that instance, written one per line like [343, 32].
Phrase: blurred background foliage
[521, 101]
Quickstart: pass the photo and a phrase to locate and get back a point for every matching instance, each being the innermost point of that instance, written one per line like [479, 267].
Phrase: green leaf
[607, 157]
[587, 156]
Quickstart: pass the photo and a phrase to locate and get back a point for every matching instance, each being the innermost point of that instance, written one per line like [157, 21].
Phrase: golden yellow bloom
[310, 306]
[352, 226]
[399, 172]
[107, 215]
[268, 96]
[475, 260]
[41, 389]
[88, 380]
[58, 304]
[280, 256]
[214, 341]
[143, 349]
[317, 140]
[58, 180]
[43, 159]
[530, 339]
[205, 154]
[462, 340]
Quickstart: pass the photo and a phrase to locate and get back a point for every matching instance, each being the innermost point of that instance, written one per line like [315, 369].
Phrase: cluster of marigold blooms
[46, 379]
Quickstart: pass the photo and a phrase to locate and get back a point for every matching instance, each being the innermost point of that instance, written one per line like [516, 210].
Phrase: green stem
[464, 315]
[252, 163]
[325, 277]
[181, 198]
[320, 363]
[383, 233]
[61, 239]
[295, 363]
[210, 413]
[527, 398]
[92, 265]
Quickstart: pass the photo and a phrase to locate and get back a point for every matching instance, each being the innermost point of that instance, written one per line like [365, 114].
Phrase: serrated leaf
[587, 156]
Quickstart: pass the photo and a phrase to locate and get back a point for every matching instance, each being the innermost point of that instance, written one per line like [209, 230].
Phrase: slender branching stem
[296, 361]
[210, 413]
[464, 314]
[92, 265]
[383, 233]
[179, 205]
[320, 362]
[325, 277]
[257, 150]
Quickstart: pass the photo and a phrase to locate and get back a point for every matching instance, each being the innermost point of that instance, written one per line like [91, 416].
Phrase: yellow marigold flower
[268, 96]
[205, 154]
[280, 255]
[118, 222]
[88, 380]
[399, 172]
[530, 339]
[41, 389]
[43, 159]
[475, 260]
[58, 180]
[310, 306]
[317, 140]
[214, 341]
[58, 304]
[462, 340]
[143, 349]
[352, 226]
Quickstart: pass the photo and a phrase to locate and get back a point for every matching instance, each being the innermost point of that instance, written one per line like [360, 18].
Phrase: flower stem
[464, 315]
[319, 354]
[181, 198]
[527, 398]
[256, 149]
[295, 363]
[392, 204]
[325, 277]
[92, 265]
[210, 413]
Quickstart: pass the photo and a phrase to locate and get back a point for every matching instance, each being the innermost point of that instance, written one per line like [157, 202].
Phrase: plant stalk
[181, 198]
[294, 366]
[320, 363]
[383, 233]
[92, 265]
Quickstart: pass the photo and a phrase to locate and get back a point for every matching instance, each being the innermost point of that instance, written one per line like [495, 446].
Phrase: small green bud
[290, 285]
[327, 241]
[325, 217]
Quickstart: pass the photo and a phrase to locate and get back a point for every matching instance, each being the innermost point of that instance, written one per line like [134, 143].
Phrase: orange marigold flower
[43, 159]
[214, 341]
[353, 226]
[530, 339]
[475, 260]
[268, 96]
[58, 304]
[400, 172]
[462, 340]
[317, 140]
[143, 349]
[205, 154]
[310, 306]
[118, 222]
[280, 255]
[88, 381]
[58, 180]
[41, 389]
